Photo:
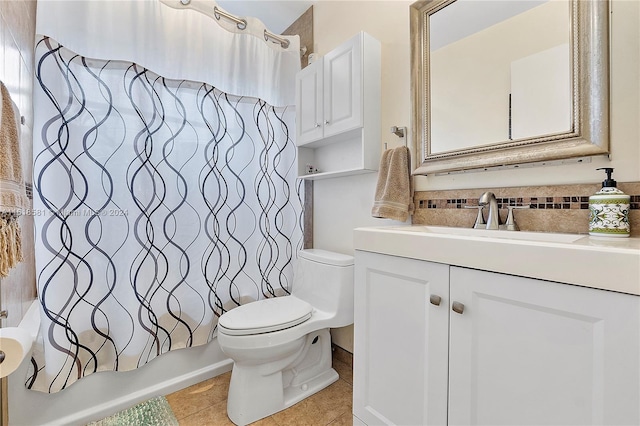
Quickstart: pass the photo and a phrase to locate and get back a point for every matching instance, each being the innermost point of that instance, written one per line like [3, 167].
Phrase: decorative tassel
[10, 243]
[4, 248]
[18, 235]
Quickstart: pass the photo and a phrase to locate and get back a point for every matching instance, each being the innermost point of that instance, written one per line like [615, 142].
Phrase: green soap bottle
[609, 210]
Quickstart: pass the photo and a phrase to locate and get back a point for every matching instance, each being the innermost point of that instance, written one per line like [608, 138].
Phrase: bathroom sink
[510, 235]
[563, 258]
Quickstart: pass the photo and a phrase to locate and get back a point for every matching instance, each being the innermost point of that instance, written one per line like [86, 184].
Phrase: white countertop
[603, 263]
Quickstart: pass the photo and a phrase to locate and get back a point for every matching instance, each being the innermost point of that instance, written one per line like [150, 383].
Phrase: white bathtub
[102, 394]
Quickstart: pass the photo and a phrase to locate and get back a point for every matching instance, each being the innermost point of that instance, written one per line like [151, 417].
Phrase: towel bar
[400, 132]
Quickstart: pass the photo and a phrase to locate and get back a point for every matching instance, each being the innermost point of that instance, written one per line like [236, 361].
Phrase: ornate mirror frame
[589, 134]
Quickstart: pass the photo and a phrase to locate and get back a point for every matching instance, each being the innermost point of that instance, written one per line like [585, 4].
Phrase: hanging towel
[13, 197]
[394, 191]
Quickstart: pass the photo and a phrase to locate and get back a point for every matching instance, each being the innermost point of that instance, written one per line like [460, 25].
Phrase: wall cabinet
[338, 110]
[439, 344]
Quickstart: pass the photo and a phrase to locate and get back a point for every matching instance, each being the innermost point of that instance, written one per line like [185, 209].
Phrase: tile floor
[205, 403]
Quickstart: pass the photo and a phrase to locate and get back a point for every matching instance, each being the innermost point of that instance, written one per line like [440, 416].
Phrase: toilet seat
[265, 316]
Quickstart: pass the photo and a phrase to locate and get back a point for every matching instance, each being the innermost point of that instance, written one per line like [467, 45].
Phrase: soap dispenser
[609, 210]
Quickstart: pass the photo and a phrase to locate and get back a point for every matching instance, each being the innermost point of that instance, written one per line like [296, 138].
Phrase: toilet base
[258, 391]
[295, 394]
[292, 395]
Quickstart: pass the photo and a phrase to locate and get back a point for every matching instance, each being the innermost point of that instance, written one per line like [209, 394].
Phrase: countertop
[597, 262]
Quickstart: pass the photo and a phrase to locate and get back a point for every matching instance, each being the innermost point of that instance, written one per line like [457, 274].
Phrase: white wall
[342, 204]
[17, 32]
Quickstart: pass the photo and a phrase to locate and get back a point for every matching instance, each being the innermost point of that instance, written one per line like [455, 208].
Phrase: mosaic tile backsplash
[561, 208]
[532, 202]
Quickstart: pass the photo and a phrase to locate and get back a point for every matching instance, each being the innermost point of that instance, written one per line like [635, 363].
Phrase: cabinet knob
[457, 307]
[326, 121]
[435, 299]
[317, 125]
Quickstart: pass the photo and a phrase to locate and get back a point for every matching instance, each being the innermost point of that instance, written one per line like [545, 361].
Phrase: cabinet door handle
[435, 299]
[457, 307]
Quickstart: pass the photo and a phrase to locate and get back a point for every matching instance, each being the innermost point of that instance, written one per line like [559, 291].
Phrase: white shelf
[335, 174]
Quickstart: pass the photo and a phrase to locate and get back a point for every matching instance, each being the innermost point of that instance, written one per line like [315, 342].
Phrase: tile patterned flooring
[205, 403]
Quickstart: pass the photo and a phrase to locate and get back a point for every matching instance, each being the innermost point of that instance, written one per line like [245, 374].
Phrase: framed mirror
[498, 83]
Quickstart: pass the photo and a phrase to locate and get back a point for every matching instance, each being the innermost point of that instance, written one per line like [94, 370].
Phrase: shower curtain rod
[242, 24]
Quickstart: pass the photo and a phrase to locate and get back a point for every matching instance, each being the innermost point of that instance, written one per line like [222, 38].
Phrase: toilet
[281, 347]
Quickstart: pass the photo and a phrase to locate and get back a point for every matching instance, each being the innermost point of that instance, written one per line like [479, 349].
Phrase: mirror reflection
[499, 71]
[497, 83]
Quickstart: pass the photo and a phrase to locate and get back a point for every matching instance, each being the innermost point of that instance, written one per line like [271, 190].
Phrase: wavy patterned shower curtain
[159, 204]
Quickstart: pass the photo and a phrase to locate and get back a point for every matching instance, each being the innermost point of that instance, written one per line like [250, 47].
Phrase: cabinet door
[309, 103]
[400, 341]
[343, 88]
[527, 351]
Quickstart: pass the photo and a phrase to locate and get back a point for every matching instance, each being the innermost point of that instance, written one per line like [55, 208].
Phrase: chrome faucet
[493, 221]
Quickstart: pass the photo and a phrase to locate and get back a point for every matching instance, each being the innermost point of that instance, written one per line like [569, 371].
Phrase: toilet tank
[325, 280]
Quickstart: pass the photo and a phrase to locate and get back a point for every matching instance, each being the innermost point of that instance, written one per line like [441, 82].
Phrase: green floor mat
[154, 412]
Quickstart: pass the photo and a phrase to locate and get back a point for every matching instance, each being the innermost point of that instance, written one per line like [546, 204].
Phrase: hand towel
[394, 191]
[13, 197]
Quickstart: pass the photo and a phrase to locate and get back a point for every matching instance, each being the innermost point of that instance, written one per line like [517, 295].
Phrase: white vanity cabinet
[338, 110]
[400, 340]
[517, 351]
[543, 353]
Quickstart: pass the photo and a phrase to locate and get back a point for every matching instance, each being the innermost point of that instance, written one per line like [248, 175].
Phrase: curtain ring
[282, 41]
[241, 24]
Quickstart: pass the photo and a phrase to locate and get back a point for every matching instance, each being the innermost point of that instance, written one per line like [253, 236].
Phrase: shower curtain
[159, 205]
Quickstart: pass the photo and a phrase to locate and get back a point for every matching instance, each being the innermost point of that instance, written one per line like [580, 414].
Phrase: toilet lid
[265, 316]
